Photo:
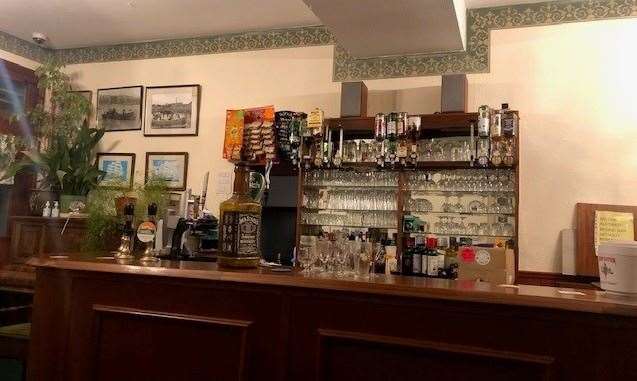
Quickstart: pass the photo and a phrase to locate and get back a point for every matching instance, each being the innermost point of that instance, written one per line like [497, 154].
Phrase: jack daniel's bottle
[240, 225]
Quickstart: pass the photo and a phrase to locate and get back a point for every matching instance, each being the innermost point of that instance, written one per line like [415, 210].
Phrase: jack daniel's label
[241, 234]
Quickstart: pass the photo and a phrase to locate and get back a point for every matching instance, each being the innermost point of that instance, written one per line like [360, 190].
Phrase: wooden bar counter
[95, 319]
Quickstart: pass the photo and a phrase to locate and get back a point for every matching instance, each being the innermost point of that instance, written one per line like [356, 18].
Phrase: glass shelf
[353, 226]
[462, 213]
[445, 191]
[462, 234]
[352, 210]
[352, 187]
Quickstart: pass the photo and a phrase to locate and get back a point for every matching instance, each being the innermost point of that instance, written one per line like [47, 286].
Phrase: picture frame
[120, 108]
[172, 166]
[172, 110]
[119, 168]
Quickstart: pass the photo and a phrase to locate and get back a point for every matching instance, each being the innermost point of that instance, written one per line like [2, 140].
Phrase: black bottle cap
[505, 106]
[129, 209]
[152, 209]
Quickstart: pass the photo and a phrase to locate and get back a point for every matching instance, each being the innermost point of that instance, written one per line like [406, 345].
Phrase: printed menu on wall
[613, 226]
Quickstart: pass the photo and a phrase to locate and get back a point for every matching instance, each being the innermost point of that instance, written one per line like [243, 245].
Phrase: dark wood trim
[536, 278]
[198, 106]
[185, 154]
[435, 346]
[141, 107]
[99, 308]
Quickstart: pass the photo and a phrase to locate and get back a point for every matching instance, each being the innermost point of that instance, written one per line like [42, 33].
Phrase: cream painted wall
[572, 84]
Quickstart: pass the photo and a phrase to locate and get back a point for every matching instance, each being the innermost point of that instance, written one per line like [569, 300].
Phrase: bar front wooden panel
[91, 325]
[39, 236]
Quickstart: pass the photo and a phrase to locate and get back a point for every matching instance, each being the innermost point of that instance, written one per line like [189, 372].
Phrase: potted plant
[63, 144]
[103, 223]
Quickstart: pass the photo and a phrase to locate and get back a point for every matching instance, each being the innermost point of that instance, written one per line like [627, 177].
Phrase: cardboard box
[495, 265]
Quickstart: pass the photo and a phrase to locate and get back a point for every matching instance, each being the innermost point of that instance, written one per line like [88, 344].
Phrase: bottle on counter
[391, 263]
[55, 212]
[451, 253]
[416, 268]
[240, 224]
[46, 211]
[407, 261]
[432, 256]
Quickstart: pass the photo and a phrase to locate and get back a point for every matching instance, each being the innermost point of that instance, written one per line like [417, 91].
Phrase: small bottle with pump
[46, 212]
[55, 212]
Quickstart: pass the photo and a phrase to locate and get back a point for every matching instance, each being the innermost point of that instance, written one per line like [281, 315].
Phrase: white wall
[572, 83]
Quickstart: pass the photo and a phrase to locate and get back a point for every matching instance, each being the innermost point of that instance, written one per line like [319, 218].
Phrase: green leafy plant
[63, 151]
[103, 222]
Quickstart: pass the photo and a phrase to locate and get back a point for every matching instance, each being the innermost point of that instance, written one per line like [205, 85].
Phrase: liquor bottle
[317, 151]
[337, 160]
[295, 137]
[416, 267]
[392, 121]
[380, 127]
[402, 149]
[483, 150]
[327, 146]
[240, 225]
[407, 261]
[432, 257]
[484, 121]
[391, 155]
[413, 133]
[510, 121]
[451, 258]
[380, 134]
[496, 124]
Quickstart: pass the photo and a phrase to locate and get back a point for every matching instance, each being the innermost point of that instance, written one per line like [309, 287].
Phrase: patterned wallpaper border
[23, 48]
[272, 39]
[480, 22]
[346, 68]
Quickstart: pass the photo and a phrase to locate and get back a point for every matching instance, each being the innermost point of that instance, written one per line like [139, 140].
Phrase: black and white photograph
[172, 110]
[120, 109]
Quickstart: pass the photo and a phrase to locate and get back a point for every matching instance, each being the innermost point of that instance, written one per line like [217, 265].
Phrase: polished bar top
[598, 302]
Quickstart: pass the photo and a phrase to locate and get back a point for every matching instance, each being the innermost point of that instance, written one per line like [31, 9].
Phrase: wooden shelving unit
[434, 126]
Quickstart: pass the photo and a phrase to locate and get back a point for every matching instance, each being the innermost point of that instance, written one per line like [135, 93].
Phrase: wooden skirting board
[537, 278]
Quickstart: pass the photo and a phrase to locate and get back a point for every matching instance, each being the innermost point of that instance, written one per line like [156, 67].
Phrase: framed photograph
[170, 166]
[172, 110]
[119, 168]
[120, 108]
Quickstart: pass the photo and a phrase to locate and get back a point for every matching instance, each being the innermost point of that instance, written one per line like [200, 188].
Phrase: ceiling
[79, 23]
[372, 28]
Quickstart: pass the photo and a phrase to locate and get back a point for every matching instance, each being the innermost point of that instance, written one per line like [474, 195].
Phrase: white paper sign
[223, 183]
